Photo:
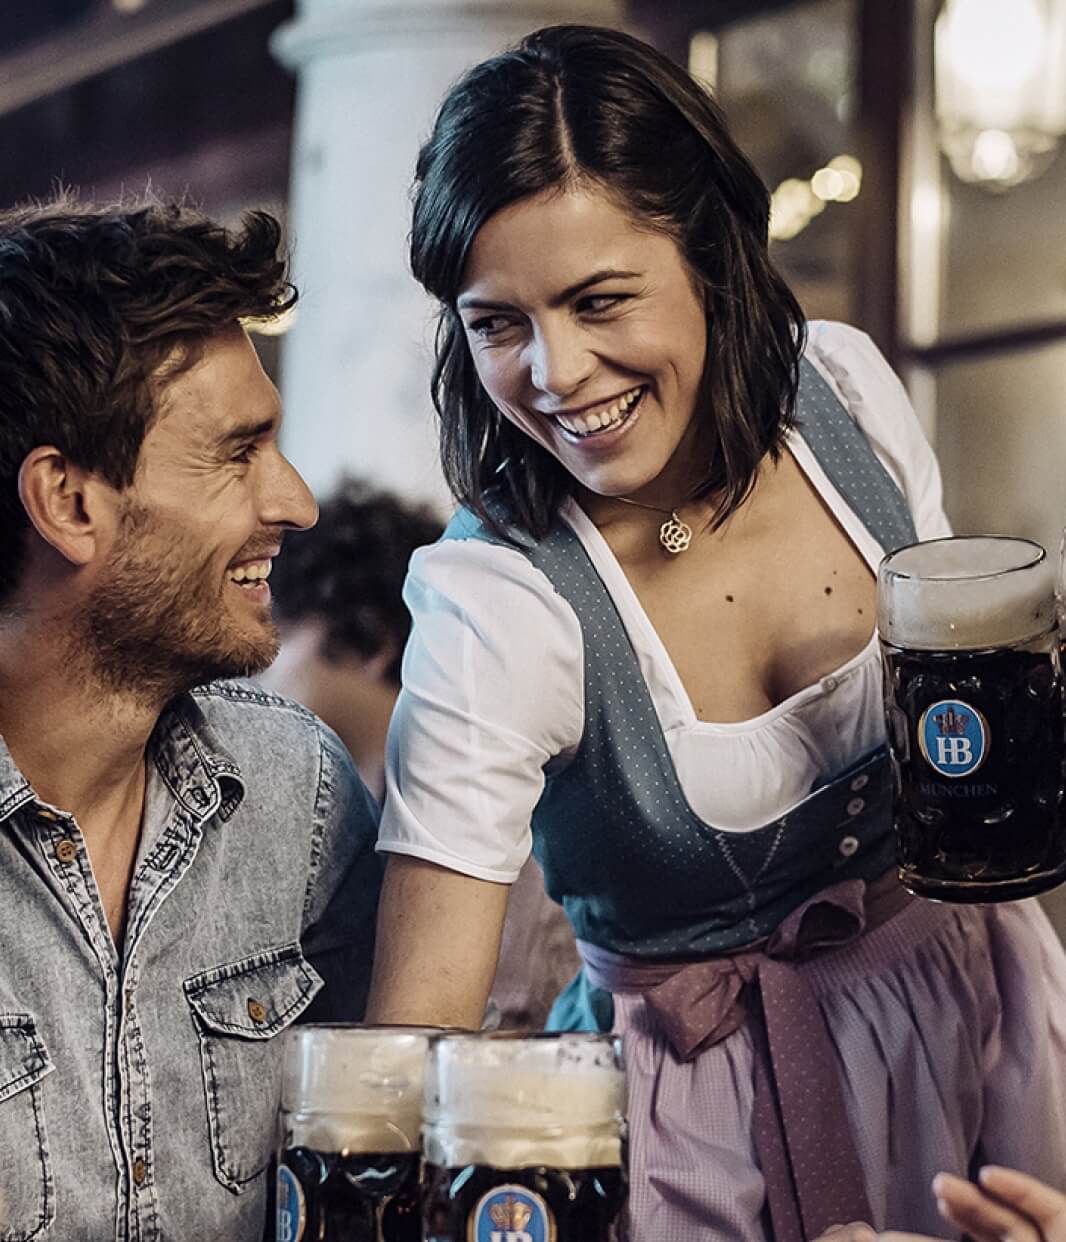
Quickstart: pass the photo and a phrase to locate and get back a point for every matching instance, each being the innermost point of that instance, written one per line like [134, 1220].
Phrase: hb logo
[291, 1218]
[511, 1214]
[953, 737]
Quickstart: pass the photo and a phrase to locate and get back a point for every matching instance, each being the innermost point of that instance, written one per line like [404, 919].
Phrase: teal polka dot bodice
[636, 869]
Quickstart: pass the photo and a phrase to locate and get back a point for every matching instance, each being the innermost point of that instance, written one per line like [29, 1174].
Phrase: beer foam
[516, 1102]
[353, 1088]
[965, 594]
[350, 1132]
[455, 1147]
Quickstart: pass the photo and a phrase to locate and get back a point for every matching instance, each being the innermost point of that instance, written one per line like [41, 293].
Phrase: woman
[649, 634]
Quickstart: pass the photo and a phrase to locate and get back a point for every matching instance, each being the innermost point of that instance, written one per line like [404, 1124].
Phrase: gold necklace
[674, 534]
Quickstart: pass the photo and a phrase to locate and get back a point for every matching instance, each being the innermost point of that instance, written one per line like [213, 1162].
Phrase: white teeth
[254, 571]
[606, 416]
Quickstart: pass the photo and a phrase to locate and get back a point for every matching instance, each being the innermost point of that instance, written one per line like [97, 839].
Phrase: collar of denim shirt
[187, 754]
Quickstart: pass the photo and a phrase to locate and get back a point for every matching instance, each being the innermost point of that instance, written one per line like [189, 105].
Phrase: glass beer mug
[523, 1138]
[974, 708]
[349, 1160]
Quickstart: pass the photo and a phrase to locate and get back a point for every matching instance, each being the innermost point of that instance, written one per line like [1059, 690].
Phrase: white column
[356, 362]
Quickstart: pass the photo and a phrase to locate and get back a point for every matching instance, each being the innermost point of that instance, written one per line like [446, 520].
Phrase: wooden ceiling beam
[103, 41]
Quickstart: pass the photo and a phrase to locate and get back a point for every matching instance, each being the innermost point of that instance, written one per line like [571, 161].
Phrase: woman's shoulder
[841, 347]
[490, 586]
[860, 376]
[876, 399]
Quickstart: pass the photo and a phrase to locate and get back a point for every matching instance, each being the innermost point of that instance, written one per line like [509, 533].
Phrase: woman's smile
[604, 420]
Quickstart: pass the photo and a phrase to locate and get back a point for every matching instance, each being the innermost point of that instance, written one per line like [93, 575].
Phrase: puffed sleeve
[878, 402]
[493, 692]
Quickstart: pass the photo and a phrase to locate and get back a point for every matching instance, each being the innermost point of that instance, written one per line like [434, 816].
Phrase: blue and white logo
[953, 737]
[291, 1213]
[511, 1214]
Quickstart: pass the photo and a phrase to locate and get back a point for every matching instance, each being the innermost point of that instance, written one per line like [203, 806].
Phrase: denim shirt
[139, 1088]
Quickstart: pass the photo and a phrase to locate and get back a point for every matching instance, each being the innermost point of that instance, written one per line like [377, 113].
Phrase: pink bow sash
[802, 1136]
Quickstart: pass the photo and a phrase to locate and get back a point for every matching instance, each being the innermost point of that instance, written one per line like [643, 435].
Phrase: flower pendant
[675, 535]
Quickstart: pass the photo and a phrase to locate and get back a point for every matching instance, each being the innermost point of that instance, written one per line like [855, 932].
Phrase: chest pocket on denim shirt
[27, 1192]
[240, 1010]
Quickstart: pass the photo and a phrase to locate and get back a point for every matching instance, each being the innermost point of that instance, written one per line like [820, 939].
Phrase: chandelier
[1000, 70]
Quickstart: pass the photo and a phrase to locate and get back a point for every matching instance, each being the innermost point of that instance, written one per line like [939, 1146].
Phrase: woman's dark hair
[98, 307]
[577, 104]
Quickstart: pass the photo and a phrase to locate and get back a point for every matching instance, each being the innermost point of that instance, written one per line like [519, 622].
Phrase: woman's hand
[1005, 1207]
[857, 1231]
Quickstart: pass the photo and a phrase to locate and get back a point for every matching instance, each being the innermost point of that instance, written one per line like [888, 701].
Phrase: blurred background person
[342, 619]
[343, 625]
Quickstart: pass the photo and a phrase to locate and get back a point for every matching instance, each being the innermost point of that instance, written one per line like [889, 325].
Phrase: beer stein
[523, 1138]
[974, 709]
[349, 1159]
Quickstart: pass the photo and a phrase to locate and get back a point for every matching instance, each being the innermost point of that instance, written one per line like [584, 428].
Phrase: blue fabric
[581, 1006]
[139, 1086]
[635, 868]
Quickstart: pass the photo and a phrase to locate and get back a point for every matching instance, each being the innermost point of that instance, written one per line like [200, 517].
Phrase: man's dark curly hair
[348, 571]
[98, 306]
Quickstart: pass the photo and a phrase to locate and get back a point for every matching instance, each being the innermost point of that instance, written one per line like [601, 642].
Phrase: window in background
[1001, 440]
[985, 318]
[788, 84]
[1004, 254]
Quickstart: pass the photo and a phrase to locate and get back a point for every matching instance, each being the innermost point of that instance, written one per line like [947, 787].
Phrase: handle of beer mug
[1060, 584]
[1060, 599]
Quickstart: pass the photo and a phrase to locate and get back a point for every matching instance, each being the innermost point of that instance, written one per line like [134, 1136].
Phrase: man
[343, 624]
[185, 868]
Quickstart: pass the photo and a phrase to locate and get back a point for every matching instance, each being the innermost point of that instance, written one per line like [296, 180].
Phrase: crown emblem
[951, 723]
[511, 1214]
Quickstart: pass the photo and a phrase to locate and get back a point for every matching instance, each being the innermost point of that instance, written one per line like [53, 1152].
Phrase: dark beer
[523, 1139]
[349, 1153]
[522, 1205]
[996, 832]
[348, 1196]
[974, 708]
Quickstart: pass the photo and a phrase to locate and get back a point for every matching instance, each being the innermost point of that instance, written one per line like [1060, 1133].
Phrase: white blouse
[493, 680]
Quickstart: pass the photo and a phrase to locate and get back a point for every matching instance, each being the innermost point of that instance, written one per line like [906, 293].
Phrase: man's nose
[559, 360]
[288, 500]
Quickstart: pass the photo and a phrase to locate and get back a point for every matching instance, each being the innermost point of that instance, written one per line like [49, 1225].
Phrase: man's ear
[69, 507]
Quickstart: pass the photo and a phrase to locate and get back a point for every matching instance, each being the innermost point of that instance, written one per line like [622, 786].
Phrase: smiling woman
[683, 718]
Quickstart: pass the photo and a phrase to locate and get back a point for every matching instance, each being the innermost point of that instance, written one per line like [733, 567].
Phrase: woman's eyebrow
[468, 302]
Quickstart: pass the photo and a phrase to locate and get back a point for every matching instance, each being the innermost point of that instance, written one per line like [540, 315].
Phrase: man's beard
[157, 624]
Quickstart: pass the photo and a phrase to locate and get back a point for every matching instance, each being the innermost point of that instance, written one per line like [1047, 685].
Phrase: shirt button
[829, 683]
[256, 1011]
[860, 782]
[855, 806]
[848, 846]
[66, 850]
[139, 1171]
